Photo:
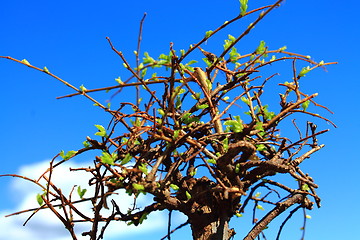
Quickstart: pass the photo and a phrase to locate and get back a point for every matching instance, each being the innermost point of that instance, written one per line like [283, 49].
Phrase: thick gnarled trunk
[209, 227]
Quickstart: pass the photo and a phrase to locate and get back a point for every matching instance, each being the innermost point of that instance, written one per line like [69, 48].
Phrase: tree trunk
[209, 227]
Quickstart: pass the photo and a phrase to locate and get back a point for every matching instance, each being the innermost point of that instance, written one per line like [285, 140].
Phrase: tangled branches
[188, 142]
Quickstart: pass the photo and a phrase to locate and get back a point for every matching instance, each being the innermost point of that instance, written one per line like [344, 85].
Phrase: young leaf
[25, 61]
[225, 144]
[260, 147]
[202, 106]
[143, 217]
[234, 125]
[82, 88]
[67, 155]
[147, 59]
[305, 105]
[196, 96]
[213, 161]
[193, 172]
[118, 80]
[86, 144]
[81, 192]
[143, 168]
[304, 71]
[101, 132]
[174, 187]
[305, 187]
[46, 70]
[108, 158]
[282, 48]
[243, 7]
[260, 207]
[208, 33]
[261, 48]
[188, 195]
[39, 199]
[237, 168]
[138, 187]
[126, 159]
[161, 112]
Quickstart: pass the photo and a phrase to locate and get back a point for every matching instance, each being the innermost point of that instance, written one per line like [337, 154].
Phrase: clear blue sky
[68, 37]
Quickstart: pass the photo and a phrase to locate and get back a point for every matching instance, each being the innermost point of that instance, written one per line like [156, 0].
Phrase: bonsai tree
[198, 137]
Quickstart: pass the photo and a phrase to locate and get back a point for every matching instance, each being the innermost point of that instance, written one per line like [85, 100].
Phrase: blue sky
[68, 37]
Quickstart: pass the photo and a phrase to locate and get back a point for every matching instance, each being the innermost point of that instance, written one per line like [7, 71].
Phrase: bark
[207, 227]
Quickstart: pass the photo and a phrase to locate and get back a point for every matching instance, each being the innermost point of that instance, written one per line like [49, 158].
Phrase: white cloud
[45, 225]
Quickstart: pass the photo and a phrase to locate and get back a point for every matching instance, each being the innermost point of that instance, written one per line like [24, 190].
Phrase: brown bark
[211, 228]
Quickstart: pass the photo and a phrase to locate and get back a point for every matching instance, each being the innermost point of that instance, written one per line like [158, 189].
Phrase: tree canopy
[202, 136]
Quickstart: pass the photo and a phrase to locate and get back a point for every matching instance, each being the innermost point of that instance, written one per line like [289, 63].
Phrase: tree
[187, 141]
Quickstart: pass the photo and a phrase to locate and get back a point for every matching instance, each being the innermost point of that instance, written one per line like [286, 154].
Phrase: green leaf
[81, 192]
[260, 207]
[243, 7]
[305, 105]
[261, 147]
[229, 41]
[174, 187]
[238, 214]
[101, 132]
[147, 59]
[67, 155]
[143, 217]
[187, 118]
[193, 172]
[225, 144]
[308, 216]
[25, 61]
[257, 194]
[237, 168]
[202, 106]
[245, 100]
[86, 144]
[176, 134]
[82, 88]
[282, 48]
[46, 70]
[188, 195]
[213, 161]
[304, 71]
[138, 187]
[126, 159]
[161, 111]
[305, 187]
[261, 48]
[196, 96]
[143, 168]
[259, 126]
[231, 38]
[143, 72]
[39, 199]
[107, 158]
[178, 102]
[119, 81]
[234, 55]
[208, 33]
[234, 125]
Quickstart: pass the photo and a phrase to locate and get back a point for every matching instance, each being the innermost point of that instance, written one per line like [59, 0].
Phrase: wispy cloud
[45, 225]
